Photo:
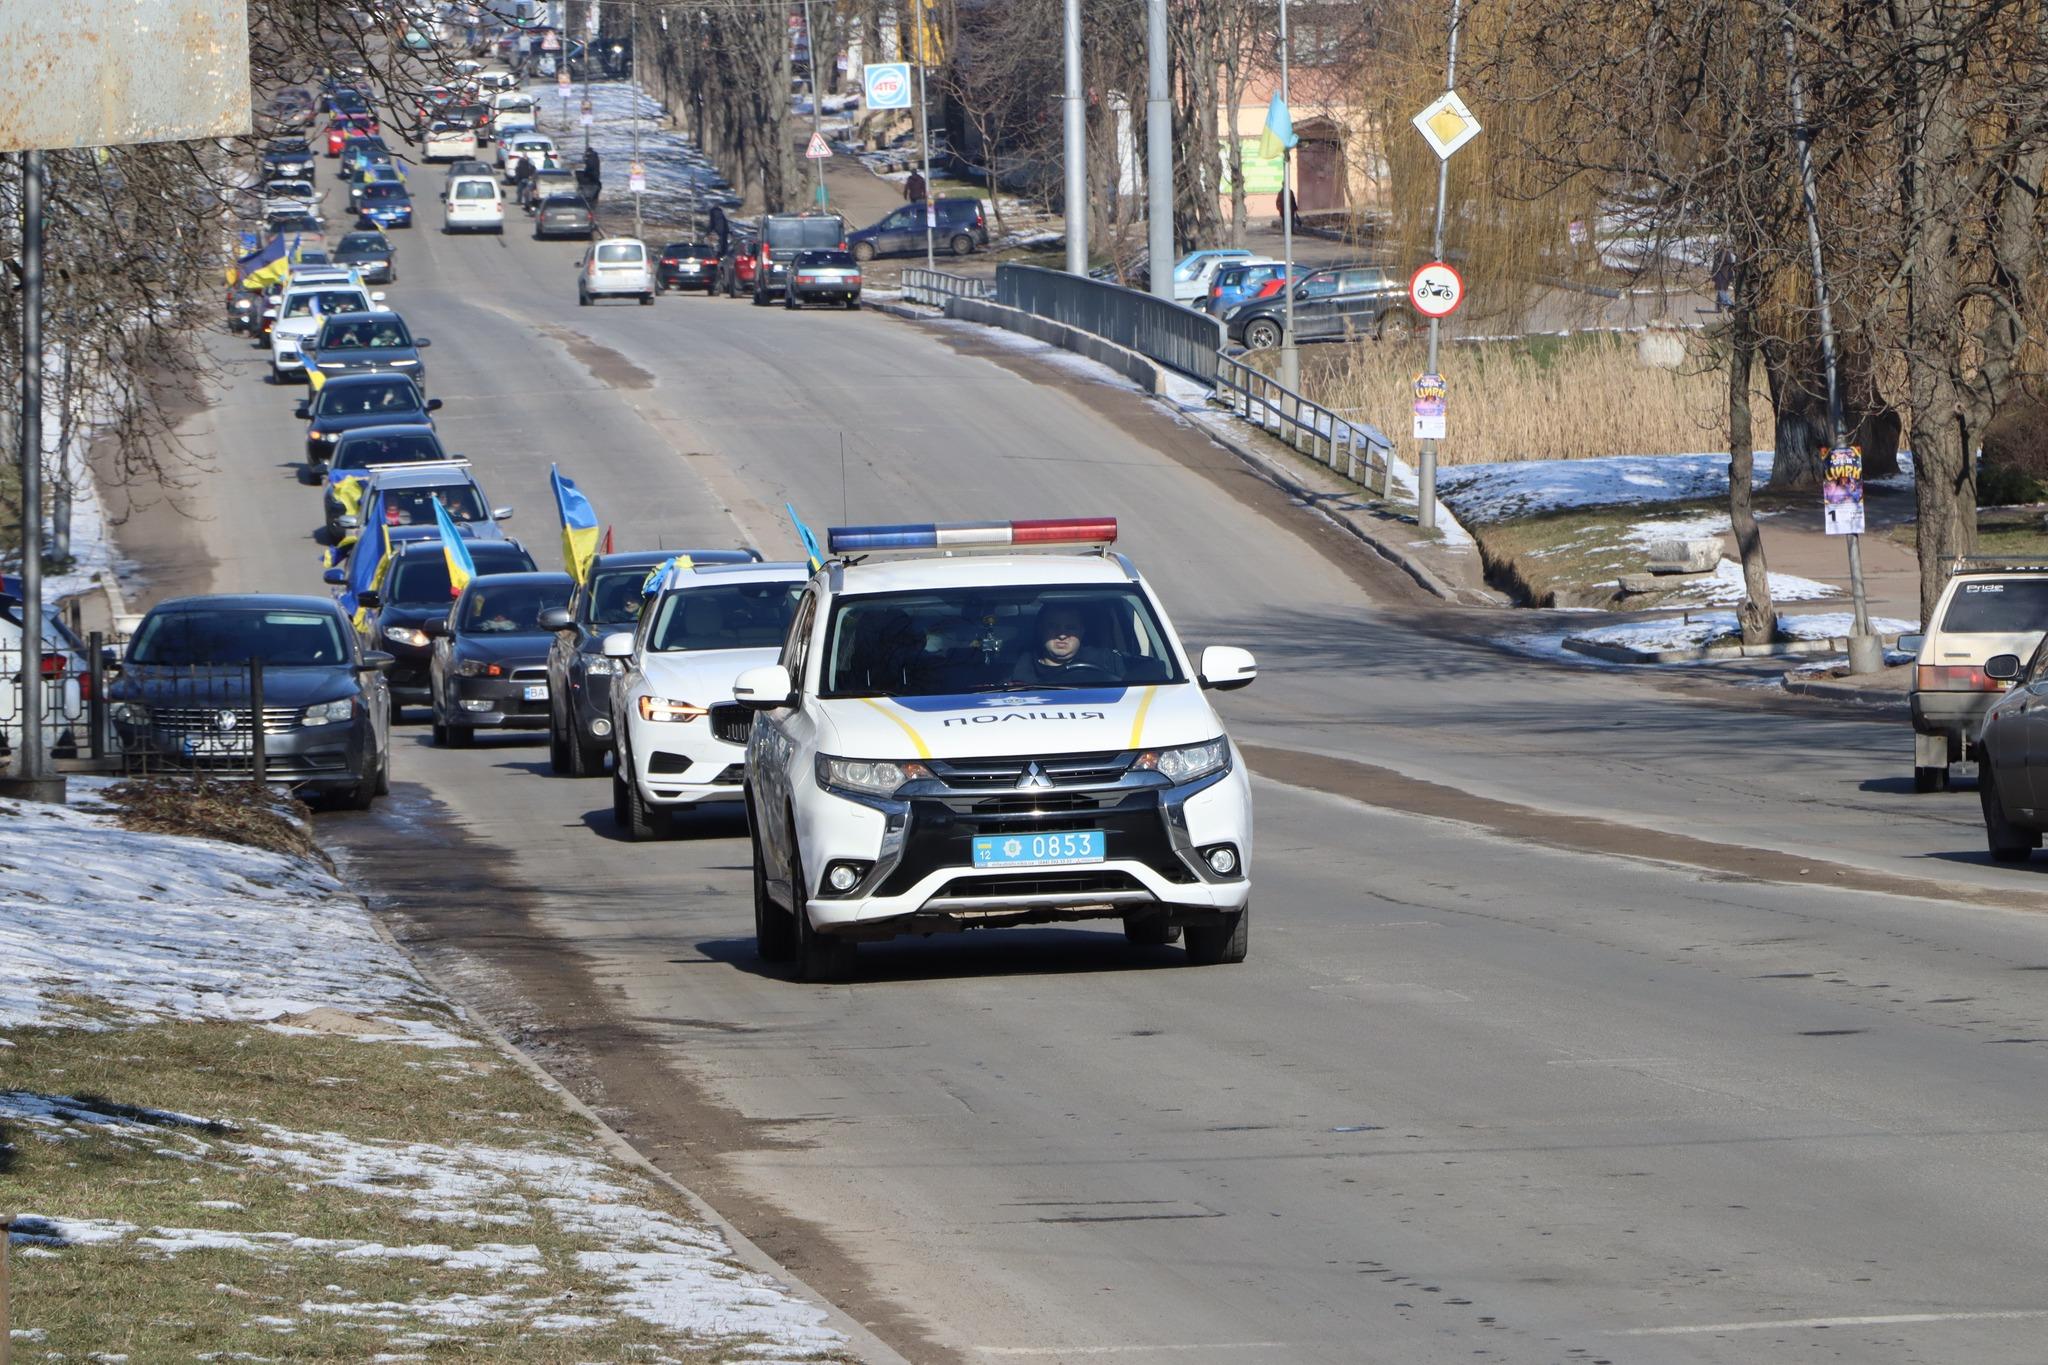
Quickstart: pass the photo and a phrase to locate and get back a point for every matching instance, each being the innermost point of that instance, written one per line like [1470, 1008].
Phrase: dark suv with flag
[416, 589]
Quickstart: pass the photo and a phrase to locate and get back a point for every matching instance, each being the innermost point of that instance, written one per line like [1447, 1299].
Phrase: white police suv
[958, 740]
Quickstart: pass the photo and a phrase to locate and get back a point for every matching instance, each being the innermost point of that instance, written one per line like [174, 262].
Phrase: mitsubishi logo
[1032, 778]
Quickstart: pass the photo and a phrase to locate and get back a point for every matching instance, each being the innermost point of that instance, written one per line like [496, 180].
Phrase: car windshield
[384, 190]
[370, 396]
[498, 609]
[415, 506]
[723, 616]
[186, 638]
[620, 253]
[615, 597]
[408, 447]
[947, 641]
[328, 300]
[370, 242]
[805, 234]
[2001, 606]
[421, 580]
[825, 260]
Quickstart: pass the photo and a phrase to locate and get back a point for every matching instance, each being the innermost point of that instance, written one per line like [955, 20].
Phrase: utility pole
[1290, 357]
[817, 108]
[1866, 651]
[924, 138]
[635, 173]
[1075, 139]
[32, 777]
[1158, 153]
[1425, 474]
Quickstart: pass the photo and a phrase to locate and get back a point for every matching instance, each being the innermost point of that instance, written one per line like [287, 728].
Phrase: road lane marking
[1871, 1320]
[1017, 1351]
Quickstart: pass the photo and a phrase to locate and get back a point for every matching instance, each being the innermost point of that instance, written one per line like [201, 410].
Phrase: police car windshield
[403, 448]
[947, 641]
[728, 616]
[186, 638]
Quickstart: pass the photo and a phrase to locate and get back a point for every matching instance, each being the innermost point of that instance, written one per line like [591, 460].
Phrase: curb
[870, 1347]
[1839, 690]
[1789, 649]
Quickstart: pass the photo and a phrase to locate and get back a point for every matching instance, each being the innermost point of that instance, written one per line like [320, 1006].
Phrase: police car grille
[1040, 884]
[732, 723]
[1061, 770]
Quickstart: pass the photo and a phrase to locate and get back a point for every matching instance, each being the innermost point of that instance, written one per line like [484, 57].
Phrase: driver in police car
[1060, 652]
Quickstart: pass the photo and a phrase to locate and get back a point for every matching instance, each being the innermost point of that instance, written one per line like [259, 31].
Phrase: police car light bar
[970, 535]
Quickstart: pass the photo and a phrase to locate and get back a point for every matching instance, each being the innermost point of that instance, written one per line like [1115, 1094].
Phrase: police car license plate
[1040, 850]
[536, 691]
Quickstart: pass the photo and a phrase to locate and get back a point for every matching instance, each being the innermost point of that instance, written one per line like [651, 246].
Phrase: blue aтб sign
[886, 84]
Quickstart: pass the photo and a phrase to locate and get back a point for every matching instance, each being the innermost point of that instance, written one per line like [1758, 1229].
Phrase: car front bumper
[685, 763]
[308, 758]
[500, 703]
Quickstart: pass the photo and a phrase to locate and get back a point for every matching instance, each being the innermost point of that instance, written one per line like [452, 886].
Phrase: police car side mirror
[2002, 667]
[1226, 668]
[557, 618]
[334, 578]
[617, 645]
[764, 689]
[1910, 644]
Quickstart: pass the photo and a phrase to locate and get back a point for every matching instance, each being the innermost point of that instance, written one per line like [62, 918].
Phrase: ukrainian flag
[1278, 134]
[366, 559]
[803, 533]
[262, 267]
[461, 568]
[579, 525]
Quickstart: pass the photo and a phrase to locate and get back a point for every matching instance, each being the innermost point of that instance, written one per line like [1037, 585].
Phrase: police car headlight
[668, 709]
[1188, 762]
[868, 777]
[327, 712]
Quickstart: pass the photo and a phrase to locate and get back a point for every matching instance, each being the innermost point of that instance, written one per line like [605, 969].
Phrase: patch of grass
[232, 812]
[2004, 532]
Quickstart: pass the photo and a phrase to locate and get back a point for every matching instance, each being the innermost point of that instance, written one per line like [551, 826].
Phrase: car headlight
[1187, 762]
[869, 777]
[131, 713]
[669, 709]
[328, 712]
[407, 635]
[477, 668]
[401, 364]
[601, 663]
[333, 365]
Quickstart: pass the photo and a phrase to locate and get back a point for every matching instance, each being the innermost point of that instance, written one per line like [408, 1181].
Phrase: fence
[1178, 338]
[1354, 451]
[73, 711]
[934, 287]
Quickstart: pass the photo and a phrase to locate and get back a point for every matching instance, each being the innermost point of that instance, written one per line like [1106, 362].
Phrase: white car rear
[473, 203]
[515, 112]
[521, 147]
[616, 267]
[450, 142]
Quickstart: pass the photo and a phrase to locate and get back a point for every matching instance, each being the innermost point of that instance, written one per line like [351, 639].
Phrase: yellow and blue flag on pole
[1278, 134]
[803, 533]
[461, 568]
[579, 525]
[262, 267]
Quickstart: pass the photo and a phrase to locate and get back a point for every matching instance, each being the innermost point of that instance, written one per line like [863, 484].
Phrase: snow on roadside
[1705, 628]
[1724, 588]
[1482, 493]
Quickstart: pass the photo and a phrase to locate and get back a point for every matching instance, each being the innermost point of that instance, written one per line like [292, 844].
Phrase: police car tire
[1150, 931]
[1212, 945]
[774, 930]
[819, 957]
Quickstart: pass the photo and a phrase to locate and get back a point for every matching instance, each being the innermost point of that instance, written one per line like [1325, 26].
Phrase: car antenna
[844, 517]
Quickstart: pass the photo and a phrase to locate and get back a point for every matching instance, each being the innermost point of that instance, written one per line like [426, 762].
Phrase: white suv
[679, 738]
[305, 305]
[967, 741]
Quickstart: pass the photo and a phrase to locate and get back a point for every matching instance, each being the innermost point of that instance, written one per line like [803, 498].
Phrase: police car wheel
[1211, 945]
[1150, 931]
[774, 930]
[819, 957]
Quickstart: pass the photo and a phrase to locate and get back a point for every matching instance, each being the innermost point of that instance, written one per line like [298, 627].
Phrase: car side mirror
[1910, 644]
[433, 405]
[378, 660]
[377, 297]
[767, 688]
[421, 343]
[348, 521]
[1225, 668]
[501, 514]
[370, 599]
[557, 618]
[326, 535]
[436, 626]
[618, 645]
[334, 578]
[302, 412]
[2002, 667]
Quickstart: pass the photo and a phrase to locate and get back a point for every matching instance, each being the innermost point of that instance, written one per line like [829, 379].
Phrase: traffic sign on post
[1447, 124]
[1436, 290]
[817, 150]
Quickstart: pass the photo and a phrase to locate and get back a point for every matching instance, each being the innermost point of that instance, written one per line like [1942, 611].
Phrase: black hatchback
[371, 253]
[687, 265]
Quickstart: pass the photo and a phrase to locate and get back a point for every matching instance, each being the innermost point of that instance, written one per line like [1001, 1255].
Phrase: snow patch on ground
[1482, 493]
[1705, 628]
[1724, 588]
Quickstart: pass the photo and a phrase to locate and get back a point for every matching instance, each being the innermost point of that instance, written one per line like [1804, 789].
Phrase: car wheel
[558, 743]
[647, 300]
[1393, 327]
[1262, 335]
[760, 297]
[440, 731]
[863, 252]
[789, 302]
[819, 957]
[853, 305]
[2008, 842]
[774, 930]
[461, 736]
[1930, 779]
[962, 244]
[383, 787]
[276, 375]
[1150, 931]
[618, 792]
[641, 823]
[582, 299]
[359, 797]
[585, 760]
[1211, 945]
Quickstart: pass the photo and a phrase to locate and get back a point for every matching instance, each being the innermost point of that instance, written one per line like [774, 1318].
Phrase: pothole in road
[605, 365]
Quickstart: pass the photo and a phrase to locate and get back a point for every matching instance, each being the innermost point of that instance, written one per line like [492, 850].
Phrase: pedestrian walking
[914, 188]
[589, 181]
[1289, 205]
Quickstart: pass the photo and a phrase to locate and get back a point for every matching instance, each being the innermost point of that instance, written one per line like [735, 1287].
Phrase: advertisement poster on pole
[886, 85]
[588, 116]
[1842, 492]
[562, 80]
[1430, 394]
[636, 178]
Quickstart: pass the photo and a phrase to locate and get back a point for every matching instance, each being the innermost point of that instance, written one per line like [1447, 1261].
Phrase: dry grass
[1536, 398]
[232, 812]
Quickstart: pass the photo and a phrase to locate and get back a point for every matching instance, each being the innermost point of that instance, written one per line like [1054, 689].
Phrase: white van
[613, 267]
[513, 111]
[473, 203]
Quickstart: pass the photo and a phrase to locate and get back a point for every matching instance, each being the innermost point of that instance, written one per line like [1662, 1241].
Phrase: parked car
[377, 340]
[1330, 304]
[1986, 610]
[616, 267]
[542, 183]
[563, 214]
[371, 254]
[962, 227]
[785, 236]
[609, 599]
[412, 589]
[66, 672]
[735, 270]
[1191, 272]
[182, 699]
[472, 203]
[1238, 282]
[354, 400]
[831, 277]
[489, 668]
[687, 265]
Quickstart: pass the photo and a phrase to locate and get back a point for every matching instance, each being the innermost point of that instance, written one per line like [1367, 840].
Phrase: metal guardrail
[1178, 338]
[934, 287]
[1358, 452]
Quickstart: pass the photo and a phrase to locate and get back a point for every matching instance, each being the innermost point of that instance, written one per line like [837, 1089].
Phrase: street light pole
[32, 776]
[924, 137]
[1075, 139]
[1425, 473]
[817, 109]
[1158, 153]
[1290, 358]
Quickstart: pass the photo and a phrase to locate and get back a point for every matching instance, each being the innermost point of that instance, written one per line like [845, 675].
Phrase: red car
[736, 268]
[346, 126]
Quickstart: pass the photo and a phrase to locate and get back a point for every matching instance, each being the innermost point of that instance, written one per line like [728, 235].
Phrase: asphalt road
[1492, 1085]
